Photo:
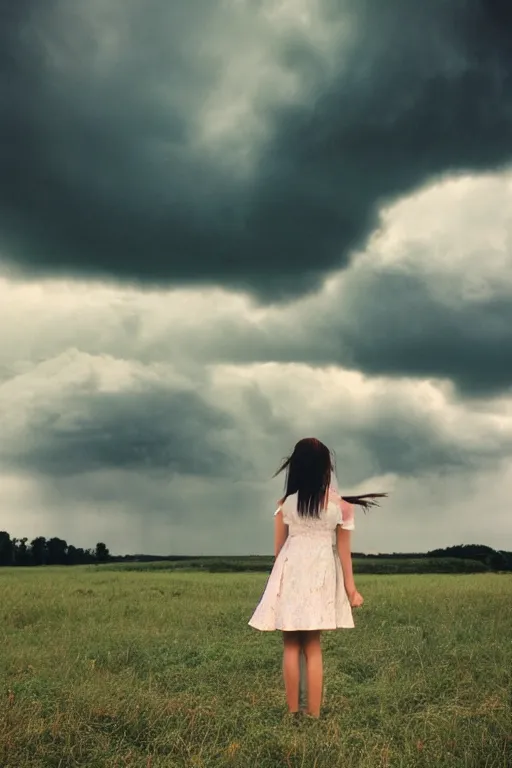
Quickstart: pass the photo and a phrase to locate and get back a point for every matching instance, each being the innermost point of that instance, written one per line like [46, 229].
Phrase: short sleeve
[280, 507]
[283, 508]
[347, 515]
[345, 511]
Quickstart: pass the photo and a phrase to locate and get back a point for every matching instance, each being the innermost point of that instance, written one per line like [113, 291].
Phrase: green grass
[153, 668]
[262, 563]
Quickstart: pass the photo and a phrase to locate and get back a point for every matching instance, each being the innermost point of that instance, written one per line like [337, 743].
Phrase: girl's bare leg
[291, 669]
[315, 672]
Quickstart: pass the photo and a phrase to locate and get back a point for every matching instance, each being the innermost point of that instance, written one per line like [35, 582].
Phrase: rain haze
[225, 226]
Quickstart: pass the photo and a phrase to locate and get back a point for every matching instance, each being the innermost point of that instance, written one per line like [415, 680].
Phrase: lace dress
[305, 589]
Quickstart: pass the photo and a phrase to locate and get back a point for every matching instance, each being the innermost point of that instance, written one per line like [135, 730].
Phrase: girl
[311, 586]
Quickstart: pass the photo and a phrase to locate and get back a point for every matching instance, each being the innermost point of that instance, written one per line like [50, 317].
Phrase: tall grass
[104, 667]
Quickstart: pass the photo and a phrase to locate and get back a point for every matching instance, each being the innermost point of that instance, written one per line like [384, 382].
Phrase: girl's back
[335, 512]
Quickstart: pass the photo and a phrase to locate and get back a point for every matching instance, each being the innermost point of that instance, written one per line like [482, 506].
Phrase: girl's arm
[345, 555]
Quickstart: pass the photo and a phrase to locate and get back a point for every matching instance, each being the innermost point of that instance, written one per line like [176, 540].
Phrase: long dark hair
[308, 473]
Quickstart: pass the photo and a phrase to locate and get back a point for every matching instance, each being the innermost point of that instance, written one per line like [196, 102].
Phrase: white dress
[305, 589]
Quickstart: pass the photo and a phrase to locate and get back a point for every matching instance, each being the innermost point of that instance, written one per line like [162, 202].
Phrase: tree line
[56, 551]
[493, 559]
[42, 551]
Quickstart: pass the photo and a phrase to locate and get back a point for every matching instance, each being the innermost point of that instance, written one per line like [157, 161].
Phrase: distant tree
[22, 553]
[56, 551]
[102, 554]
[38, 550]
[82, 557]
[6, 549]
[72, 555]
[90, 556]
[499, 561]
[467, 551]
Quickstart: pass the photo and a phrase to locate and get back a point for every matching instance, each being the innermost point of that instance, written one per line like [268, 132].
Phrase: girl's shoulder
[285, 503]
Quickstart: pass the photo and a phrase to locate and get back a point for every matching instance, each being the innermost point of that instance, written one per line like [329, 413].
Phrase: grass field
[152, 668]
[259, 563]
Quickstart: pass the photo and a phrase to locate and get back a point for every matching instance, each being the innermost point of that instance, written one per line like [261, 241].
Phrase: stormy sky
[225, 226]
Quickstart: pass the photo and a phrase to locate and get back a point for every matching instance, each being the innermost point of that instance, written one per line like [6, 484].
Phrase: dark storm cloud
[400, 433]
[152, 429]
[401, 329]
[406, 442]
[101, 172]
[178, 434]
[385, 322]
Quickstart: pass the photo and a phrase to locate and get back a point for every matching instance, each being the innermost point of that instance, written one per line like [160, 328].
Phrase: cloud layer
[431, 296]
[176, 406]
[248, 144]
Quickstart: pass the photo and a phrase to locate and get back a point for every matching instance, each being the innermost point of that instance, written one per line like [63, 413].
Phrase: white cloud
[456, 233]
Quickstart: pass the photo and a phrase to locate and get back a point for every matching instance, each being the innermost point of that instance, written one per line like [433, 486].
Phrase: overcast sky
[227, 225]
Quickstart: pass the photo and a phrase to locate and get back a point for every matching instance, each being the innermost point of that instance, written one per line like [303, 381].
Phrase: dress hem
[302, 629]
